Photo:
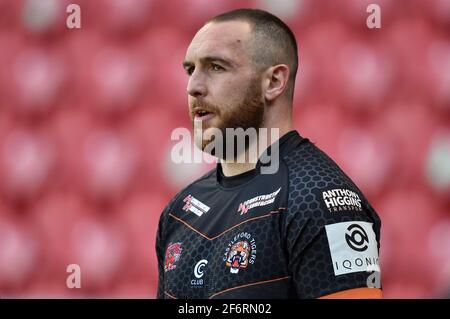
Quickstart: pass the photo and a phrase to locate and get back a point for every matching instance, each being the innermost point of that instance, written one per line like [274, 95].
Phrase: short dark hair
[274, 40]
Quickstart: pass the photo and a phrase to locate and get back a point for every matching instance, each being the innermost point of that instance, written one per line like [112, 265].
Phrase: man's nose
[196, 86]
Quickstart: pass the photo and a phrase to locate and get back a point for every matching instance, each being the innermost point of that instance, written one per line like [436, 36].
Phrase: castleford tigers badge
[240, 252]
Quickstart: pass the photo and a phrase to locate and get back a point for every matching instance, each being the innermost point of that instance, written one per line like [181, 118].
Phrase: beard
[248, 113]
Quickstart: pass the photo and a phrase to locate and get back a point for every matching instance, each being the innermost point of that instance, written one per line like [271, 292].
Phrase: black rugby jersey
[304, 232]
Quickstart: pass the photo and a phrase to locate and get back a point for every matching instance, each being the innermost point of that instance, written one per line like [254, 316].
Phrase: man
[303, 231]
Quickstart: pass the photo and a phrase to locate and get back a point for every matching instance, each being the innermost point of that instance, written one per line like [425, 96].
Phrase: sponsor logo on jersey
[173, 254]
[353, 247]
[195, 206]
[339, 199]
[240, 252]
[356, 238]
[257, 201]
[199, 271]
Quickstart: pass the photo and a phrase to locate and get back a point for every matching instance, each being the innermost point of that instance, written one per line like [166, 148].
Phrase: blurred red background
[86, 116]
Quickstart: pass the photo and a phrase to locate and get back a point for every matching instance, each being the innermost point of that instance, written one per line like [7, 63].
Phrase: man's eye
[190, 70]
[216, 67]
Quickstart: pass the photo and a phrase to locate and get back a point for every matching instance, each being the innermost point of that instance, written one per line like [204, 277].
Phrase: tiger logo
[238, 256]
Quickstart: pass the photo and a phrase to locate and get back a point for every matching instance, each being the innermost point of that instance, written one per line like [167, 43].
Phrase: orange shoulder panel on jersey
[357, 293]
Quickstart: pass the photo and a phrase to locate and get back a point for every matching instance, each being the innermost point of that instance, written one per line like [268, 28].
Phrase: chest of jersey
[225, 242]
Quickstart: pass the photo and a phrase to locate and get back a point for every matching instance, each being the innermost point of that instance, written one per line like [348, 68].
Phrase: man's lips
[203, 115]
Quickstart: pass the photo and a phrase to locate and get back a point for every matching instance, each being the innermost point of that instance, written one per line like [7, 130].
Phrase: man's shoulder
[310, 167]
[318, 187]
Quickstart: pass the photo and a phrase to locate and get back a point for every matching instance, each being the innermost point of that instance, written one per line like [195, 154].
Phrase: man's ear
[276, 81]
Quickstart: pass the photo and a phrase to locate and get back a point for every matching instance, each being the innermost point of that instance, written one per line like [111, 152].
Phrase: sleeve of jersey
[160, 244]
[332, 236]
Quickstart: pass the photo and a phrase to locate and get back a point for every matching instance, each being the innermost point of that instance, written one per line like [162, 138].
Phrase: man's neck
[233, 169]
[247, 160]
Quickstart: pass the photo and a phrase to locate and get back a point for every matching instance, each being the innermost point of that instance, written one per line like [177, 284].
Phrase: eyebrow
[209, 59]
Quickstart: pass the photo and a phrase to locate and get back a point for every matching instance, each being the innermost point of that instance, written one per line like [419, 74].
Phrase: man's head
[240, 64]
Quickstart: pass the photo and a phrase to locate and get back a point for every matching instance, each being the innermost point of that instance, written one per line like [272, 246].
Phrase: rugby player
[302, 231]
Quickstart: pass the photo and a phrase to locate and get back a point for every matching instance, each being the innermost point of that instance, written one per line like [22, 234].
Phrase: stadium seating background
[86, 117]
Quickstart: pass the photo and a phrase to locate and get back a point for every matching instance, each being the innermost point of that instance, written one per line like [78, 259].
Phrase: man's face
[224, 91]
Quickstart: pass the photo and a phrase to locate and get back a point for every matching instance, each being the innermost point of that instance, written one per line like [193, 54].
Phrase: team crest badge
[240, 253]
[173, 254]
